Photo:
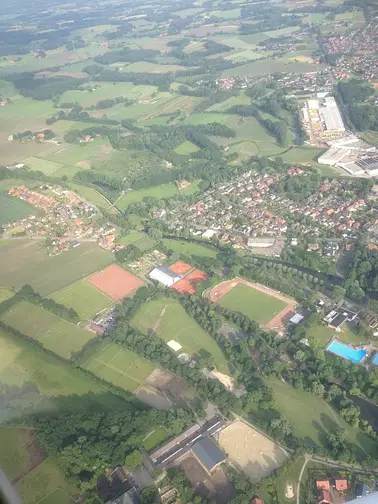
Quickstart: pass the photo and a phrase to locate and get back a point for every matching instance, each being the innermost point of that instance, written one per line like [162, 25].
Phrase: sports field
[190, 248]
[46, 484]
[12, 209]
[42, 165]
[186, 147]
[155, 438]
[123, 368]
[83, 297]
[250, 451]
[169, 320]
[139, 240]
[28, 263]
[54, 333]
[251, 302]
[115, 282]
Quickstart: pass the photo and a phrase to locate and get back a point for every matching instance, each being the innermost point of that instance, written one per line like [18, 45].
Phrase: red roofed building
[341, 485]
[256, 500]
[323, 485]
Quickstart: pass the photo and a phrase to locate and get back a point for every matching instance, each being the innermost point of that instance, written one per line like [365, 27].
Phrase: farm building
[164, 276]
[208, 454]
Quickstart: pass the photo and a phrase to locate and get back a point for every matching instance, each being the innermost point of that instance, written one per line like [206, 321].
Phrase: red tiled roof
[341, 485]
[323, 485]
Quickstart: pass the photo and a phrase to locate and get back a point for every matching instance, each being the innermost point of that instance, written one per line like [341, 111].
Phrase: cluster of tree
[301, 187]
[26, 135]
[110, 102]
[87, 444]
[43, 88]
[363, 273]
[127, 55]
[355, 95]
[302, 257]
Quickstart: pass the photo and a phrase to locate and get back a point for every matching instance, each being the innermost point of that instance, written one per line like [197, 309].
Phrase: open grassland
[190, 248]
[226, 14]
[114, 364]
[5, 294]
[302, 155]
[54, 333]
[108, 90]
[170, 321]
[91, 195]
[46, 482]
[186, 147]
[85, 299]
[42, 165]
[81, 155]
[230, 102]
[322, 335]
[312, 418]
[356, 16]
[206, 118]
[146, 66]
[28, 263]
[155, 438]
[24, 113]
[13, 451]
[268, 66]
[12, 209]
[42, 382]
[252, 303]
[139, 240]
[158, 192]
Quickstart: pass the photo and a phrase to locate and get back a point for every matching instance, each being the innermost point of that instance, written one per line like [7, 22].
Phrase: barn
[164, 276]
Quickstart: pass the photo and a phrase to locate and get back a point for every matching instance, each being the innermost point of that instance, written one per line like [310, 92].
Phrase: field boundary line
[118, 370]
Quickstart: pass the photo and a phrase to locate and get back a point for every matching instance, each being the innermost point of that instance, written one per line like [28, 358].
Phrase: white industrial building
[260, 242]
[330, 114]
[164, 276]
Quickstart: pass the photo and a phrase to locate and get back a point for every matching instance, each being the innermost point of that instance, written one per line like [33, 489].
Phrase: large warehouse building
[165, 276]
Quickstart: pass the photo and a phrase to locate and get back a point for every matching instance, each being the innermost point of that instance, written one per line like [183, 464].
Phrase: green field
[28, 263]
[46, 167]
[190, 248]
[302, 155]
[5, 294]
[322, 335]
[158, 192]
[107, 90]
[81, 155]
[252, 303]
[114, 364]
[91, 195]
[83, 297]
[12, 453]
[227, 14]
[54, 333]
[12, 209]
[25, 114]
[146, 66]
[46, 482]
[155, 438]
[312, 418]
[268, 66]
[186, 147]
[171, 322]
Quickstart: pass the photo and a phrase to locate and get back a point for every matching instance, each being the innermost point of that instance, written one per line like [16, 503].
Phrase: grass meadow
[42, 165]
[170, 321]
[190, 248]
[118, 366]
[252, 303]
[54, 333]
[83, 297]
[12, 209]
[28, 263]
[155, 438]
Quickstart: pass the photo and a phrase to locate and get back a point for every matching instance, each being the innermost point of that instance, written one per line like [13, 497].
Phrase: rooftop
[208, 454]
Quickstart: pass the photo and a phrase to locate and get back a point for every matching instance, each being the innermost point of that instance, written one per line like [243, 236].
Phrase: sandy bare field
[249, 451]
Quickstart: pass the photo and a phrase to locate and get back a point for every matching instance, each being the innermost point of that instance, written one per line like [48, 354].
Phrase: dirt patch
[167, 382]
[157, 324]
[227, 381]
[180, 267]
[289, 494]
[153, 398]
[115, 282]
[249, 451]
[278, 322]
[86, 165]
[215, 487]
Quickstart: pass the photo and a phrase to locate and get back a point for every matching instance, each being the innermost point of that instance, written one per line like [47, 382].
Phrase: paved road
[206, 431]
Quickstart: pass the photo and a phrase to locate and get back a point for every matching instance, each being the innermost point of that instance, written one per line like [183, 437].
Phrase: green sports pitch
[252, 303]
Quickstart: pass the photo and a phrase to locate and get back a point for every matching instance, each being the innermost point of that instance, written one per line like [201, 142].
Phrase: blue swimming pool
[375, 360]
[351, 354]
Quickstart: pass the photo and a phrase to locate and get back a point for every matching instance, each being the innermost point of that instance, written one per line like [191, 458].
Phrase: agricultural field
[268, 66]
[12, 209]
[190, 248]
[23, 114]
[170, 321]
[227, 14]
[54, 333]
[28, 263]
[145, 66]
[252, 303]
[85, 299]
[312, 418]
[118, 366]
[302, 155]
[82, 155]
[5, 294]
[91, 195]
